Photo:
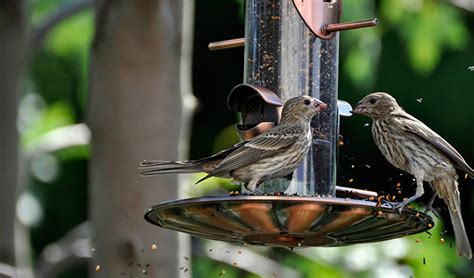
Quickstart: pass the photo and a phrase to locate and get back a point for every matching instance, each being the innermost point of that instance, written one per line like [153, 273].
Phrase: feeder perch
[291, 49]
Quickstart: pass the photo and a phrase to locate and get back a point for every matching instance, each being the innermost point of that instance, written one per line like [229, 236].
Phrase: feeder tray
[287, 221]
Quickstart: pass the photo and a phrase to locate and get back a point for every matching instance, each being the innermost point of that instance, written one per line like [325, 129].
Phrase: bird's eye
[373, 101]
[306, 101]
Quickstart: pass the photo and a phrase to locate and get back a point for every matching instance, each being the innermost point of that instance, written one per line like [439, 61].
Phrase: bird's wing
[415, 126]
[262, 146]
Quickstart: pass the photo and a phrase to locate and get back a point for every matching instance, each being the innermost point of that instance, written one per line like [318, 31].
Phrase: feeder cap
[242, 92]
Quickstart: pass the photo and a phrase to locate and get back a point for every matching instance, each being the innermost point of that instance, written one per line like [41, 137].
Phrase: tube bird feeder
[291, 49]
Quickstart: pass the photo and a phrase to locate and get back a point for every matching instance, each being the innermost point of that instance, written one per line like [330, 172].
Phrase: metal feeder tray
[287, 221]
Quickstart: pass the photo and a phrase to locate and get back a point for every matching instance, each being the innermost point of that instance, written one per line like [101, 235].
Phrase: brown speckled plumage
[274, 154]
[411, 146]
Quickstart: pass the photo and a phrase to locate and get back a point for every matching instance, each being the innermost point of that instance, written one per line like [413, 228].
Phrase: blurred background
[56, 54]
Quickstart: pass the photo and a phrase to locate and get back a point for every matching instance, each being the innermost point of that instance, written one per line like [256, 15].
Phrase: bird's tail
[162, 167]
[447, 189]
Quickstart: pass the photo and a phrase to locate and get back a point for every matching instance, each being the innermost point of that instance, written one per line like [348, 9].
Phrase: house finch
[411, 146]
[274, 154]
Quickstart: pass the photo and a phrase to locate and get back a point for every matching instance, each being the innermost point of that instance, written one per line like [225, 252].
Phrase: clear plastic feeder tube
[282, 54]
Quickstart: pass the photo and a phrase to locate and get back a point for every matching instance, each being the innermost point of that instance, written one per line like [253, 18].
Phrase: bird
[410, 145]
[274, 154]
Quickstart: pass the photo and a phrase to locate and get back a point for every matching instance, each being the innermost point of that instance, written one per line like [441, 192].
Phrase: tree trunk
[12, 46]
[139, 90]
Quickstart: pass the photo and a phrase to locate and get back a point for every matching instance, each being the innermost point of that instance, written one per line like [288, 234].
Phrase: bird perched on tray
[411, 146]
[274, 154]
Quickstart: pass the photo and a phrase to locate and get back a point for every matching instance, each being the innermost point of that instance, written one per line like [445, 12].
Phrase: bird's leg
[419, 192]
[251, 187]
[429, 206]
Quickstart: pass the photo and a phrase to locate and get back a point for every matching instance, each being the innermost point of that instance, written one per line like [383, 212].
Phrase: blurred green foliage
[419, 53]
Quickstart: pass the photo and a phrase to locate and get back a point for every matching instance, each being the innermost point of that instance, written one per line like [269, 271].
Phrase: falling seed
[234, 264]
[399, 192]
[181, 268]
[424, 260]
[240, 252]
[221, 273]
[398, 184]
[441, 240]
[417, 240]
[186, 258]
[450, 245]
[227, 251]
[471, 68]
[299, 244]
[417, 214]
[340, 143]
[351, 180]
[430, 225]
[93, 250]
[366, 124]
[153, 247]
[97, 268]
[144, 272]
[419, 99]
[352, 166]
[130, 264]
[393, 198]
[210, 250]
[465, 176]
[185, 270]
[368, 166]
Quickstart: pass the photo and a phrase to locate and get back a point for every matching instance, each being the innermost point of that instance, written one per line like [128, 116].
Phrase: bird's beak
[319, 105]
[359, 109]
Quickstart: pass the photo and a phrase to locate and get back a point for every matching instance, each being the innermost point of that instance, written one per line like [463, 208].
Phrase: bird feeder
[291, 49]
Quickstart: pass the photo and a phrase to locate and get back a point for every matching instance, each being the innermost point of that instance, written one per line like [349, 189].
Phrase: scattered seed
[398, 184]
[234, 264]
[221, 273]
[430, 225]
[417, 240]
[352, 166]
[442, 240]
[465, 176]
[144, 272]
[185, 270]
[153, 247]
[97, 268]
[419, 99]
[351, 180]
[186, 258]
[366, 124]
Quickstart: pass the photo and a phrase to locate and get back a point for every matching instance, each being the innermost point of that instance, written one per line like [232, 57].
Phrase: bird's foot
[433, 210]
[397, 206]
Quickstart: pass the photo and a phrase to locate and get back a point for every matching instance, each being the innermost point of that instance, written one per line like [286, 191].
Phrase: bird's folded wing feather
[263, 146]
[414, 126]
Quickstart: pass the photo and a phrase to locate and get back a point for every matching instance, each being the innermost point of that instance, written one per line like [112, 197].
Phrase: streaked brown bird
[411, 146]
[271, 155]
